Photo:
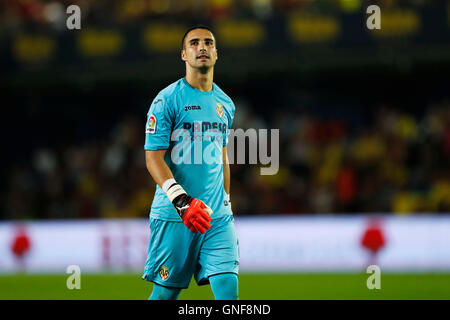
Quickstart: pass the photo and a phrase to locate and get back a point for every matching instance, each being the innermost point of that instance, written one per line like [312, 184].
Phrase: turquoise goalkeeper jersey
[193, 127]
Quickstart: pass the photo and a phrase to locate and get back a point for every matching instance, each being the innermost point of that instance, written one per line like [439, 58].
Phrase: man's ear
[183, 54]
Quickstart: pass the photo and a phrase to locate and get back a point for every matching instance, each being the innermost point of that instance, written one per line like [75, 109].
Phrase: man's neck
[200, 81]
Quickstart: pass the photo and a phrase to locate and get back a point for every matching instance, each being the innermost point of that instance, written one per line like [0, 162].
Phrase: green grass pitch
[268, 286]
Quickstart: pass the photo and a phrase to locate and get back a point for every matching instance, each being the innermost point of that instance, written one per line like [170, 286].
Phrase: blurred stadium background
[364, 119]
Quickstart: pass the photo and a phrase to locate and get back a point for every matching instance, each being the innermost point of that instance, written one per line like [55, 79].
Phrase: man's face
[199, 49]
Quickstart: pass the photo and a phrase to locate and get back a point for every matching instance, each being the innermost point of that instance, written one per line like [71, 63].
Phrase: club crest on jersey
[151, 125]
[164, 273]
[219, 109]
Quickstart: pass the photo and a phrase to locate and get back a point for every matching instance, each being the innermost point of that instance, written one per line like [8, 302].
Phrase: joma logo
[187, 108]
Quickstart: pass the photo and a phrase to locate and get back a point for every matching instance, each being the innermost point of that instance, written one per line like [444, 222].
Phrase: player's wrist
[177, 196]
[172, 189]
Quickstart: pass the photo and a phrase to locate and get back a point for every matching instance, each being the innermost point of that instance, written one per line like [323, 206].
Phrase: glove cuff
[172, 189]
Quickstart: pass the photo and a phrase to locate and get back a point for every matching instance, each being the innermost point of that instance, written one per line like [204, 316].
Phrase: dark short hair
[199, 26]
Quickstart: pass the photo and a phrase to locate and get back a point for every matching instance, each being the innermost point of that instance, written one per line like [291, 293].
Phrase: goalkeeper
[192, 229]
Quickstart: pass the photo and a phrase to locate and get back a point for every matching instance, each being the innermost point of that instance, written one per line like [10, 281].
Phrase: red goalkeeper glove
[194, 213]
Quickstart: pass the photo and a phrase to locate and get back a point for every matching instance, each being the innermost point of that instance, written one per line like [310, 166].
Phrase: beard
[204, 69]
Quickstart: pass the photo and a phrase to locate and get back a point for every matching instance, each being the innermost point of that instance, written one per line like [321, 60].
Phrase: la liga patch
[151, 124]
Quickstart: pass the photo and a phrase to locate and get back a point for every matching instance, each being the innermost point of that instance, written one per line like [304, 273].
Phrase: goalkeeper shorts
[175, 254]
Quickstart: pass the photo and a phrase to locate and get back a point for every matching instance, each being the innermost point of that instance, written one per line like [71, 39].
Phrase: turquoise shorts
[175, 254]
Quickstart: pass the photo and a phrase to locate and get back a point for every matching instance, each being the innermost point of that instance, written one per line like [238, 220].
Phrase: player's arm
[194, 213]
[225, 160]
[226, 170]
[157, 167]
[226, 174]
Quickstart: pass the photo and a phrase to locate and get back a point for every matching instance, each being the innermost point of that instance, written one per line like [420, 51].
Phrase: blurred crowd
[51, 14]
[397, 162]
